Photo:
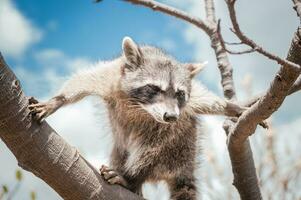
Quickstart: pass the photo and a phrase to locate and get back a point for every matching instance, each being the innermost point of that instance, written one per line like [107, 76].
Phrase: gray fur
[139, 89]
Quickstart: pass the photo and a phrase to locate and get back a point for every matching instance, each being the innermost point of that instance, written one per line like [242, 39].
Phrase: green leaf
[33, 195]
[4, 189]
[19, 175]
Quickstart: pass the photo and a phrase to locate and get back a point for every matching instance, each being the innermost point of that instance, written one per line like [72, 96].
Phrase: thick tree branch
[40, 150]
[269, 102]
[244, 39]
[246, 172]
[210, 27]
[223, 63]
[210, 11]
[242, 161]
[296, 87]
[264, 107]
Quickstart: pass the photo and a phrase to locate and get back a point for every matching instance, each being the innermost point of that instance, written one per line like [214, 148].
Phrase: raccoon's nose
[170, 117]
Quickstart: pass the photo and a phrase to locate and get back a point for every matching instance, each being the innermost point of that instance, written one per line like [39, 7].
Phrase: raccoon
[153, 102]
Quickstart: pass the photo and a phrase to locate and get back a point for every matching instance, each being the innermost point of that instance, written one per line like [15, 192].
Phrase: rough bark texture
[40, 150]
[247, 41]
[273, 98]
[243, 165]
[245, 178]
[260, 111]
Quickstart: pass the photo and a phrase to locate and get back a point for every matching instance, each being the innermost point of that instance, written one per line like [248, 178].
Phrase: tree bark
[244, 159]
[246, 125]
[40, 150]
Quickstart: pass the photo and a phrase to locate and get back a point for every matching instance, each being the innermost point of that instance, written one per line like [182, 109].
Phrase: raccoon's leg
[113, 176]
[182, 187]
[203, 101]
[98, 81]
[42, 110]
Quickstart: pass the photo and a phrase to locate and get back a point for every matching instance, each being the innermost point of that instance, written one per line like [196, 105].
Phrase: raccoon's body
[153, 103]
[145, 150]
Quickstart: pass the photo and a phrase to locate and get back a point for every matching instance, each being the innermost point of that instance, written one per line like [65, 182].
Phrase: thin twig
[241, 52]
[156, 6]
[243, 166]
[233, 43]
[246, 40]
[223, 43]
[272, 99]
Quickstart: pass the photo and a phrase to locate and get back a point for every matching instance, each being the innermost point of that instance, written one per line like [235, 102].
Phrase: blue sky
[95, 31]
[46, 41]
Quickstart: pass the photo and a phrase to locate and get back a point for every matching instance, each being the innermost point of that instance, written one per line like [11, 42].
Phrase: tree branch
[223, 43]
[156, 6]
[296, 87]
[266, 105]
[244, 39]
[223, 63]
[210, 11]
[40, 150]
[297, 7]
[242, 161]
[227, 84]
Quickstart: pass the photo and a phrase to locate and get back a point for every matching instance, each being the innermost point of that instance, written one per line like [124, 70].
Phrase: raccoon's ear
[132, 53]
[195, 68]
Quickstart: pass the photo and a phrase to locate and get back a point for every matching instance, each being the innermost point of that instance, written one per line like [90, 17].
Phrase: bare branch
[223, 43]
[156, 6]
[296, 87]
[210, 11]
[297, 7]
[242, 161]
[271, 100]
[233, 43]
[247, 51]
[244, 39]
[243, 167]
[40, 150]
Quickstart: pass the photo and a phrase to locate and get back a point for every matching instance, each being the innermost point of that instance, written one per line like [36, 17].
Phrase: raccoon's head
[155, 81]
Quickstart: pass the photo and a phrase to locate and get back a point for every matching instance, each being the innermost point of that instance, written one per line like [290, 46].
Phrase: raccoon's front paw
[112, 177]
[42, 110]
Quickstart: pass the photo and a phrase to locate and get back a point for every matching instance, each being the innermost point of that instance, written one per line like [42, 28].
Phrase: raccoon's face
[155, 81]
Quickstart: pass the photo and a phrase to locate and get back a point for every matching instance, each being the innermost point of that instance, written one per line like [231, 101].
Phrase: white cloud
[90, 133]
[86, 126]
[17, 32]
[54, 58]
[47, 55]
[273, 29]
[168, 44]
[54, 66]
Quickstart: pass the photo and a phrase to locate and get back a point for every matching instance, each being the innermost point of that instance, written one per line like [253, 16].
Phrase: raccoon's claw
[32, 100]
[40, 111]
[112, 177]
[264, 124]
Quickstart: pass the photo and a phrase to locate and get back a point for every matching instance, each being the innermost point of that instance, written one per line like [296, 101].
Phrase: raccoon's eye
[153, 89]
[180, 95]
